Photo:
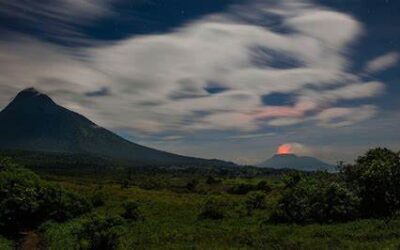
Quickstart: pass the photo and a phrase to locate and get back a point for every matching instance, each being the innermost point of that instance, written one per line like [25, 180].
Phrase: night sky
[228, 79]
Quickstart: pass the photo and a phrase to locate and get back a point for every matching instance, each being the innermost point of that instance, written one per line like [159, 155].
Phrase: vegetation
[26, 200]
[208, 208]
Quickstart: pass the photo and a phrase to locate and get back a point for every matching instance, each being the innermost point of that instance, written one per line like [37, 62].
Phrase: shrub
[99, 232]
[19, 192]
[131, 210]
[263, 186]
[98, 198]
[246, 188]
[292, 179]
[5, 244]
[26, 200]
[255, 200]
[241, 189]
[211, 180]
[125, 184]
[192, 185]
[214, 209]
[376, 178]
[62, 205]
[317, 201]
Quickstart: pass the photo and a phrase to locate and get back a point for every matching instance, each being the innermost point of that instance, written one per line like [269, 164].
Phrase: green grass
[171, 222]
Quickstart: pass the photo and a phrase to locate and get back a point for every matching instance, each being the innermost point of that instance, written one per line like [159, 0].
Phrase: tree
[376, 178]
[316, 199]
[26, 200]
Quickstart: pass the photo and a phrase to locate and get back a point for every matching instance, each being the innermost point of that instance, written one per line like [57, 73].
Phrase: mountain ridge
[32, 121]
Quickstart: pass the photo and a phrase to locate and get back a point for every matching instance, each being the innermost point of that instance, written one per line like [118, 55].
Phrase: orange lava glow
[284, 149]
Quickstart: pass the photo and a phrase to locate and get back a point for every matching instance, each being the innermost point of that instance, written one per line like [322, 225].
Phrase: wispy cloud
[383, 62]
[158, 82]
[250, 136]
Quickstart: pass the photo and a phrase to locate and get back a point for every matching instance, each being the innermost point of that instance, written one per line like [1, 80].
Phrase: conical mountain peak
[33, 122]
[292, 161]
[31, 99]
[30, 91]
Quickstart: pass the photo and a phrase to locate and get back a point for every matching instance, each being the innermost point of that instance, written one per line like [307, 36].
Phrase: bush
[376, 178]
[62, 205]
[246, 188]
[19, 193]
[192, 185]
[100, 232]
[5, 244]
[131, 210]
[317, 201]
[292, 179]
[212, 181]
[26, 200]
[255, 200]
[214, 209]
[241, 189]
[98, 198]
[263, 186]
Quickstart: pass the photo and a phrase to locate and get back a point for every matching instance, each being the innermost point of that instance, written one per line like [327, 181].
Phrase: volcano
[34, 122]
[292, 161]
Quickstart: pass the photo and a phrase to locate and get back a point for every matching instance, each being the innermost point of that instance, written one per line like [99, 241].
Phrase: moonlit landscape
[205, 124]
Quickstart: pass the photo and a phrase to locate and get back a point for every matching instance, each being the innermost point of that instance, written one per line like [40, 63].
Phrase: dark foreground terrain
[202, 208]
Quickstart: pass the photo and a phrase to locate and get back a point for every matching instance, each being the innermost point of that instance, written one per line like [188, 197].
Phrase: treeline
[86, 164]
[369, 188]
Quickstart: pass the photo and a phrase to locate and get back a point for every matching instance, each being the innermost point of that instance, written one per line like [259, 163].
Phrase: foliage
[318, 200]
[214, 208]
[292, 179]
[5, 244]
[26, 200]
[263, 186]
[212, 180]
[192, 185]
[376, 178]
[319, 203]
[244, 188]
[100, 232]
[98, 198]
[255, 200]
[131, 210]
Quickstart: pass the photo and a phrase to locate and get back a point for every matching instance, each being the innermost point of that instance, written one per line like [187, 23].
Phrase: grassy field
[170, 215]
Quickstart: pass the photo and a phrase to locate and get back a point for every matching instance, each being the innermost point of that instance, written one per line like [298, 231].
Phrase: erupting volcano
[286, 159]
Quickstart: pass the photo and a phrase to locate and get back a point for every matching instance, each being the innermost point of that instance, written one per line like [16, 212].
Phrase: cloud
[351, 91]
[250, 136]
[159, 82]
[339, 117]
[335, 30]
[383, 62]
[56, 20]
[59, 10]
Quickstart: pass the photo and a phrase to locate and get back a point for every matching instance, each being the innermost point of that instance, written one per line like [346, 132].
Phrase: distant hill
[34, 122]
[292, 161]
